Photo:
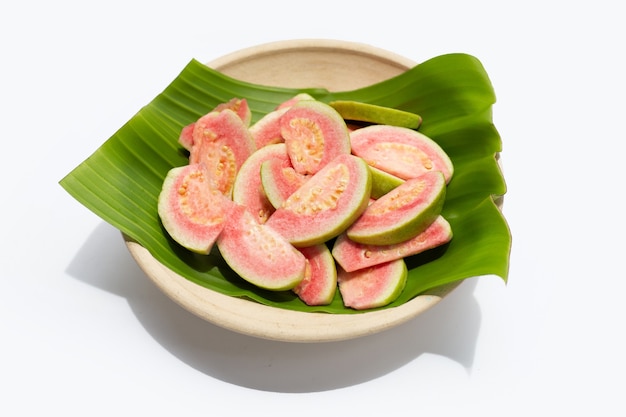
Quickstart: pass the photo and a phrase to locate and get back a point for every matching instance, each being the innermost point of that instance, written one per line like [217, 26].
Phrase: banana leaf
[120, 182]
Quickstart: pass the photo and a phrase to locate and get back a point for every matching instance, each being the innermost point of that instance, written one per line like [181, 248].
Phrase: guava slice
[222, 142]
[247, 188]
[372, 113]
[314, 134]
[372, 287]
[402, 152]
[191, 211]
[266, 130]
[320, 279]
[326, 204]
[352, 256]
[259, 254]
[240, 107]
[402, 213]
[279, 180]
[383, 182]
[298, 97]
[186, 136]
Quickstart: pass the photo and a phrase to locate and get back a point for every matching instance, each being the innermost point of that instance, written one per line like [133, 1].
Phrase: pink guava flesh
[266, 130]
[186, 136]
[352, 256]
[403, 152]
[240, 107]
[280, 180]
[222, 142]
[320, 280]
[372, 287]
[326, 204]
[294, 100]
[258, 254]
[315, 134]
[248, 190]
[191, 211]
[402, 213]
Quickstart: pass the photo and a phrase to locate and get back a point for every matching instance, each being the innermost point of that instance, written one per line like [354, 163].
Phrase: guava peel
[372, 113]
[372, 287]
[259, 254]
[402, 213]
[383, 182]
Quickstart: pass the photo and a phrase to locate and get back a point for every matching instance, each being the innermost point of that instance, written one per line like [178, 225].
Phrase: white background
[84, 332]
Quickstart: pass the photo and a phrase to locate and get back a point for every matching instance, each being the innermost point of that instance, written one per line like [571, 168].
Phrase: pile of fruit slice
[312, 198]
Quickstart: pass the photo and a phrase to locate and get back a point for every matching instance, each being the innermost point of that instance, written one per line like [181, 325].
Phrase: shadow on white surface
[449, 329]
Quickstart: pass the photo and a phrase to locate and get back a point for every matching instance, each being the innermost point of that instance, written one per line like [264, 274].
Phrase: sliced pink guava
[294, 100]
[403, 152]
[314, 134]
[259, 254]
[279, 180]
[372, 287]
[402, 213]
[320, 280]
[266, 130]
[186, 136]
[248, 190]
[240, 107]
[326, 204]
[222, 142]
[353, 256]
[191, 211]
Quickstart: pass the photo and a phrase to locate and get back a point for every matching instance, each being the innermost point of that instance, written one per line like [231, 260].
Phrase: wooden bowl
[336, 66]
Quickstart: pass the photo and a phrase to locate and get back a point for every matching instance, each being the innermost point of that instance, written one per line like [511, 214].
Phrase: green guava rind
[372, 113]
[352, 256]
[178, 211]
[372, 287]
[320, 282]
[405, 153]
[247, 188]
[328, 222]
[279, 180]
[258, 254]
[223, 143]
[403, 213]
[383, 182]
[315, 134]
